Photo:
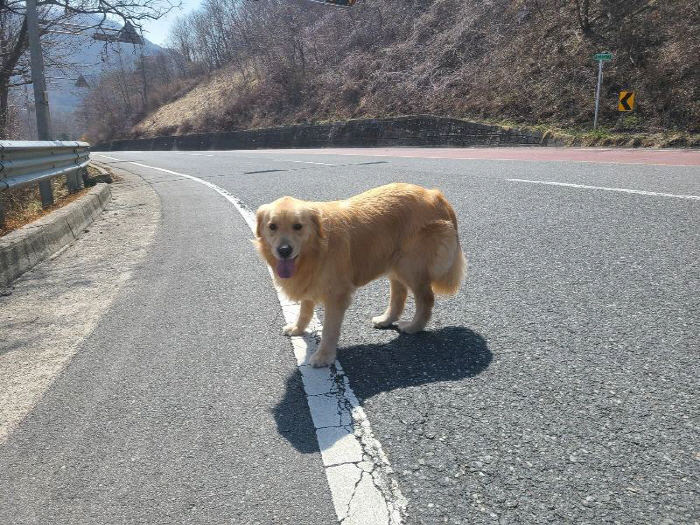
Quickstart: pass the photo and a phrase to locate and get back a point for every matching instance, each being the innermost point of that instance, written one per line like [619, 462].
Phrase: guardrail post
[72, 181]
[46, 192]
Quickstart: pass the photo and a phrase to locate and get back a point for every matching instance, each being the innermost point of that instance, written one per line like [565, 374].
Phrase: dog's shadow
[446, 354]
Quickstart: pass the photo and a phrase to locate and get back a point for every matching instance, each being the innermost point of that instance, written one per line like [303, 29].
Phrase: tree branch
[15, 54]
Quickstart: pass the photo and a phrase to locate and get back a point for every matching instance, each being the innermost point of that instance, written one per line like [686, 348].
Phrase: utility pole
[41, 99]
[144, 78]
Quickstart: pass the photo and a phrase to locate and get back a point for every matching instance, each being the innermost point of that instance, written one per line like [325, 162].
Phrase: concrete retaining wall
[401, 131]
[25, 247]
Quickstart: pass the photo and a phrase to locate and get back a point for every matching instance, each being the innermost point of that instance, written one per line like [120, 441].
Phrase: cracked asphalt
[559, 386]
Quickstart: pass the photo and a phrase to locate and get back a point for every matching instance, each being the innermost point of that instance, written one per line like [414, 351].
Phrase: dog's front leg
[306, 312]
[334, 310]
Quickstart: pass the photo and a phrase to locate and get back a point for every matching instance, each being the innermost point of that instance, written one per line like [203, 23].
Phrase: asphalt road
[559, 386]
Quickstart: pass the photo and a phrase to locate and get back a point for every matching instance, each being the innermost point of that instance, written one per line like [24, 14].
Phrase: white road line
[359, 475]
[603, 188]
[307, 162]
[193, 154]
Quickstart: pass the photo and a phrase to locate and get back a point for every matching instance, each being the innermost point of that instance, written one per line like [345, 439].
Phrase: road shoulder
[52, 308]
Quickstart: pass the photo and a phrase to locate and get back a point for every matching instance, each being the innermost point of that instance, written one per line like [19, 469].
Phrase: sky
[157, 30]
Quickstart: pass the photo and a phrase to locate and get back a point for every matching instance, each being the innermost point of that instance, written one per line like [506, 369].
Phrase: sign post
[600, 57]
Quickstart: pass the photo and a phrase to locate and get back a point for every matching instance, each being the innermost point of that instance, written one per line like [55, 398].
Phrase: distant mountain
[80, 55]
[89, 58]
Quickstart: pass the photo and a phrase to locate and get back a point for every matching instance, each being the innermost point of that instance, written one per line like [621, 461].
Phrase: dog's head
[287, 230]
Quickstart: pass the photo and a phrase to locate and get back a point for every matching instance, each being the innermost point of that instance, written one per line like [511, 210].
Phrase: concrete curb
[25, 247]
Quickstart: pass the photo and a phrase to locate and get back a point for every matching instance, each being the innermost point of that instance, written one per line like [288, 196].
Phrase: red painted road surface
[658, 157]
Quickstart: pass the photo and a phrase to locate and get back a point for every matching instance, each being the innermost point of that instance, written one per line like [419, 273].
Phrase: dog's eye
[273, 227]
[297, 226]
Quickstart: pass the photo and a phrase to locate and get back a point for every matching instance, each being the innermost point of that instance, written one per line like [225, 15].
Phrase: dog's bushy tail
[448, 264]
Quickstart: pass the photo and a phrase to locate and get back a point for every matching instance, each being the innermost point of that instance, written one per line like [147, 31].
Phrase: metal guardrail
[29, 162]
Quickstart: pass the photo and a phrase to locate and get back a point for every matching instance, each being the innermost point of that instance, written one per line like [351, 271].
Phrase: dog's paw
[409, 327]
[381, 321]
[319, 359]
[292, 329]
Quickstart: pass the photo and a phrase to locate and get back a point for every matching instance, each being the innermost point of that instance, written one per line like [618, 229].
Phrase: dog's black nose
[284, 250]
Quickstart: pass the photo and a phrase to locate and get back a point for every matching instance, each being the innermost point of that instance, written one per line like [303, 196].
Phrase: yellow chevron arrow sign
[626, 101]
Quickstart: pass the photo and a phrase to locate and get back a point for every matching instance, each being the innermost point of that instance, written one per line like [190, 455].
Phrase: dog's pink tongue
[285, 268]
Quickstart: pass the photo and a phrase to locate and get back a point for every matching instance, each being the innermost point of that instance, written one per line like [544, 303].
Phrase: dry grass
[23, 205]
[197, 110]
[630, 140]
[608, 136]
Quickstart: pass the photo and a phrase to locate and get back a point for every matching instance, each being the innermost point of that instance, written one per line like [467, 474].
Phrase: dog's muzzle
[284, 250]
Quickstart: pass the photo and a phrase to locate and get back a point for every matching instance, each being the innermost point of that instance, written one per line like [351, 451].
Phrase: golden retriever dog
[321, 252]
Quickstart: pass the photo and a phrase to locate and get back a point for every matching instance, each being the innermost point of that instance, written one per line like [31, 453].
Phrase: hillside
[526, 62]
[193, 111]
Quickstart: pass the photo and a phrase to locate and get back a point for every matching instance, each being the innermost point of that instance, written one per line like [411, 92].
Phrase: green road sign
[603, 56]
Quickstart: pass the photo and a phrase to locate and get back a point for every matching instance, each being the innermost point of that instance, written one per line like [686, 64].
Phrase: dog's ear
[261, 216]
[317, 220]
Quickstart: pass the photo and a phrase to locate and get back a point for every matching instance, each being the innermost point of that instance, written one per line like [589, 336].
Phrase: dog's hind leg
[397, 301]
[306, 312]
[424, 307]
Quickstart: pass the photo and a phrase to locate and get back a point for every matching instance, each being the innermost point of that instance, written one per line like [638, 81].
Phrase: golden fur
[399, 230]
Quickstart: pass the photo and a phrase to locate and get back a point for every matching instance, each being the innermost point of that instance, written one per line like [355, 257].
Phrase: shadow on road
[447, 354]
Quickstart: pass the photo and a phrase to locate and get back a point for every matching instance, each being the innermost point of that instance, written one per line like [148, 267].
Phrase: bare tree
[13, 43]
